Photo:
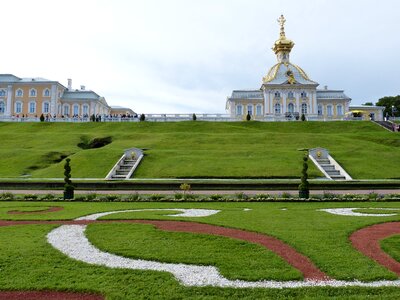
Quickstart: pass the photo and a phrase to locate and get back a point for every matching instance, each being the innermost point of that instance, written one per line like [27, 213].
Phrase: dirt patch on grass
[47, 295]
[94, 143]
[366, 241]
[33, 212]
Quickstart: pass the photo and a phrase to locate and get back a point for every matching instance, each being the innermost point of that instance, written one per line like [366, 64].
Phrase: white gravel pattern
[350, 212]
[188, 213]
[71, 241]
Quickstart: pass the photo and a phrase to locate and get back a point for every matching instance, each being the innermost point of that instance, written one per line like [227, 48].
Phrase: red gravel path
[47, 295]
[39, 211]
[366, 241]
[294, 258]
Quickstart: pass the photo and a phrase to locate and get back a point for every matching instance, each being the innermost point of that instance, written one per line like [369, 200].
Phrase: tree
[248, 117]
[303, 117]
[368, 104]
[304, 187]
[68, 187]
[391, 104]
[41, 118]
[93, 118]
[142, 118]
[194, 117]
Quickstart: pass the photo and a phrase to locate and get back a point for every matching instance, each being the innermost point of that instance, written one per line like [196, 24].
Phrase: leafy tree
[41, 118]
[368, 104]
[303, 117]
[194, 117]
[142, 118]
[388, 102]
[304, 187]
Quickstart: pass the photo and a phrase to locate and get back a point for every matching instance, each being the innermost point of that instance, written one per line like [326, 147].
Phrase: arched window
[277, 94]
[303, 95]
[250, 109]
[32, 107]
[304, 108]
[339, 110]
[46, 93]
[258, 110]
[320, 110]
[2, 93]
[291, 108]
[329, 110]
[46, 107]
[277, 109]
[18, 107]
[19, 93]
[32, 93]
[76, 109]
[239, 110]
[66, 110]
[290, 95]
[85, 110]
[2, 107]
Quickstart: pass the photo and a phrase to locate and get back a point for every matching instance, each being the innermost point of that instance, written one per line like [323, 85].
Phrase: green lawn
[198, 149]
[28, 262]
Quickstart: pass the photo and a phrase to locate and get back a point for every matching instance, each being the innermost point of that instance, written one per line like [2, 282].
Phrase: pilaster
[9, 101]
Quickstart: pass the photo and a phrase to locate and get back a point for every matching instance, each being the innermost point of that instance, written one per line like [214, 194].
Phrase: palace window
[239, 110]
[304, 108]
[320, 110]
[46, 107]
[18, 107]
[19, 93]
[250, 109]
[258, 110]
[291, 108]
[290, 95]
[303, 95]
[277, 109]
[32, 107]
[76, 110]
[66, 110]
[339, 110]
[46, 93]
[329, 110]
[277, 94]
[2, 93]
[2, 107]
[85, 110]
[32, 93]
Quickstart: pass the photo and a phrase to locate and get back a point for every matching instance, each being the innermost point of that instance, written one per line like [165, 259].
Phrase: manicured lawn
[198, 149]
[28, 262]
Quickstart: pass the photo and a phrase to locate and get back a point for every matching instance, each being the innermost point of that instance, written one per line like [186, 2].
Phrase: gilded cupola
[283, 46]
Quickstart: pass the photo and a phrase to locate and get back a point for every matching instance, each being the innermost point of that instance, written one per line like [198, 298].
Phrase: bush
[91, 197]
[29, 197]
[156, 197]
[178, 196]
[189, 197]
[194, 117]
[303, 117]
[112, 197]
[48, 197]
[132, 197]
[41, 118]
[248, 117]
[262, 197]
[7, 197]
[241, 196]
[216, 197]
[142, 118]
[328, 195]
[286, 195]
[304, 187]
[68, 187]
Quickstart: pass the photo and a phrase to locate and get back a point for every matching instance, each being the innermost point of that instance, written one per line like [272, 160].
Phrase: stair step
[338, 177]
[328, 167]
[118, 177]
[334, 173]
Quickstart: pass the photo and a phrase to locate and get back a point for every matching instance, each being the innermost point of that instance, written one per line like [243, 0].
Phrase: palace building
[287, 92]
[31, 97]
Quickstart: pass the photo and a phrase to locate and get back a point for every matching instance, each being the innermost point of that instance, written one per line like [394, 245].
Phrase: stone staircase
[387, 125]
[328, 165]
[126, 165]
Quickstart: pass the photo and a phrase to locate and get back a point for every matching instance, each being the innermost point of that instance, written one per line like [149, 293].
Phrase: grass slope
[198, 149]
[28, 262]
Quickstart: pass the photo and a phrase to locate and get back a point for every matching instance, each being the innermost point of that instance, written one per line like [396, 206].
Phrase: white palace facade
[287, 92]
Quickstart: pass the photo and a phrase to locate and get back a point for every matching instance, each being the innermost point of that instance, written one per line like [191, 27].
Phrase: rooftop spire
[283, 46]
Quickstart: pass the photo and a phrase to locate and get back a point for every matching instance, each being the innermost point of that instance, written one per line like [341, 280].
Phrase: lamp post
[393, 111]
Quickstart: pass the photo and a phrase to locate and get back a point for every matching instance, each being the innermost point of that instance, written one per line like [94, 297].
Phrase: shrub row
[189, 197]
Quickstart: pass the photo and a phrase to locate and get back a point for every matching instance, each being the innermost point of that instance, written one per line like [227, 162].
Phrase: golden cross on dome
[282, 22]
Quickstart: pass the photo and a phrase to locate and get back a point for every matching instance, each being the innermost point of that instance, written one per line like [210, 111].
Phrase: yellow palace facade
[287, 92]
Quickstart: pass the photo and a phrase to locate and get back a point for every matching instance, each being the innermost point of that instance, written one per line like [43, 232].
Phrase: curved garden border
[40, 211]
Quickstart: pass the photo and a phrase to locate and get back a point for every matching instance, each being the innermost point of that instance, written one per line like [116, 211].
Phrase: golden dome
[283, 44]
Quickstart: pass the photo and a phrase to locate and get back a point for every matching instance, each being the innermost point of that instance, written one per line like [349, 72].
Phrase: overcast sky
[166, 56]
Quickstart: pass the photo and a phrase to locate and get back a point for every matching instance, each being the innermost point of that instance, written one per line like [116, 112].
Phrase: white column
[9, 101]
[298, 109]
[284, 103]
[53, 101]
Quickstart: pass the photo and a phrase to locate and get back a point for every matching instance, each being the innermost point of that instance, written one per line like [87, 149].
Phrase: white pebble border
[351, 212]
[71, 241]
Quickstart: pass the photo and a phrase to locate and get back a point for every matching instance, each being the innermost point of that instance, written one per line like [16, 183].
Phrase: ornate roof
[247, 94]
[287, 73]
[331, 94]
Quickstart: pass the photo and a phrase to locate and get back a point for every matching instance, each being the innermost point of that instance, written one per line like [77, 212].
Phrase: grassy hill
[198, 149]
